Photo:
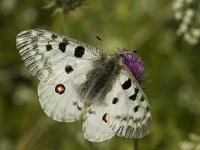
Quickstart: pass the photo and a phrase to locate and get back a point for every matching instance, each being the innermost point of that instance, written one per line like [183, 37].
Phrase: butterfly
[79, 81]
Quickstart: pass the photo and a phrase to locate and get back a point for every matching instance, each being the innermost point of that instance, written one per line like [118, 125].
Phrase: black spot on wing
[53, 36]
[35, 46]
[78, 107]
[115, 100]
[105, 118]
[127, 84]
[91, 111]
[137, 120]
[134, 96]
[79, 51]
[69, 69]
[125, 118]
[147, 109]
[62, 45]
[49, 47]
[142, 98]
[136, 108]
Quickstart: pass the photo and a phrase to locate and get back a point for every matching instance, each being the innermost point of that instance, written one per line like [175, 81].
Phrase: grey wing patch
[129, 115]
[44, 53]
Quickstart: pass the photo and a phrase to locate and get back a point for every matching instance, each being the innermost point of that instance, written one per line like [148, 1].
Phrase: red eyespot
[60, 88]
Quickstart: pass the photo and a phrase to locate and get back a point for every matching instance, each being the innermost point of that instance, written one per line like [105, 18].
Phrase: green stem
[135, 144]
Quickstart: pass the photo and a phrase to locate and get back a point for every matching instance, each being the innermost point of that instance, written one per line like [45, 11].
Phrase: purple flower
[134, 64]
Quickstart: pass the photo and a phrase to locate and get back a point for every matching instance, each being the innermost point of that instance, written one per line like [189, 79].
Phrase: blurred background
[166, 34]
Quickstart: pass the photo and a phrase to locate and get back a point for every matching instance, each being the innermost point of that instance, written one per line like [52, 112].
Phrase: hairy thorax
[100, 79]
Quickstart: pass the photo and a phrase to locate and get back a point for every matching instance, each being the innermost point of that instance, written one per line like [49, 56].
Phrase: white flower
[190, 39]
[178, 4]
[178, 15]
[189, 12]
[182, 29]
[188, 15]
[188, 1]
[195, 32]
[186, 145]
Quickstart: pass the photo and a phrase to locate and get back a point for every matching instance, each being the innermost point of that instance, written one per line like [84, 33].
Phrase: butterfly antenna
[102, 41]
[98, 38]
[106, 44]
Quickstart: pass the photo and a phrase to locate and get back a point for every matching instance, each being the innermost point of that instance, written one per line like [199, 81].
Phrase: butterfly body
[79, 81]
[100, 79]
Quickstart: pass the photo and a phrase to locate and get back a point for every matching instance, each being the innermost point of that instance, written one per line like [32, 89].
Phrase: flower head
[187, 13]
[134, 64]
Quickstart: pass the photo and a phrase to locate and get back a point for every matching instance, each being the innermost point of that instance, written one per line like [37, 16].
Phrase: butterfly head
[134, 63]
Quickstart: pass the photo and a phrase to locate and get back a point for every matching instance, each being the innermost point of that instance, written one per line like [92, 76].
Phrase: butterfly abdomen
[100, 79]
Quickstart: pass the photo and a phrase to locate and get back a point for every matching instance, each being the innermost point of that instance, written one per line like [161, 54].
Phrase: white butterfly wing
[57, 60]
[95, 127]
[49, 56]
[129, 112]
[124, 111]
[65, 107]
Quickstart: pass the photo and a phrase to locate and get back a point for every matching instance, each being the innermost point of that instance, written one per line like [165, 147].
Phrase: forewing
[49, 56]
[57, 60]
[129, 111]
